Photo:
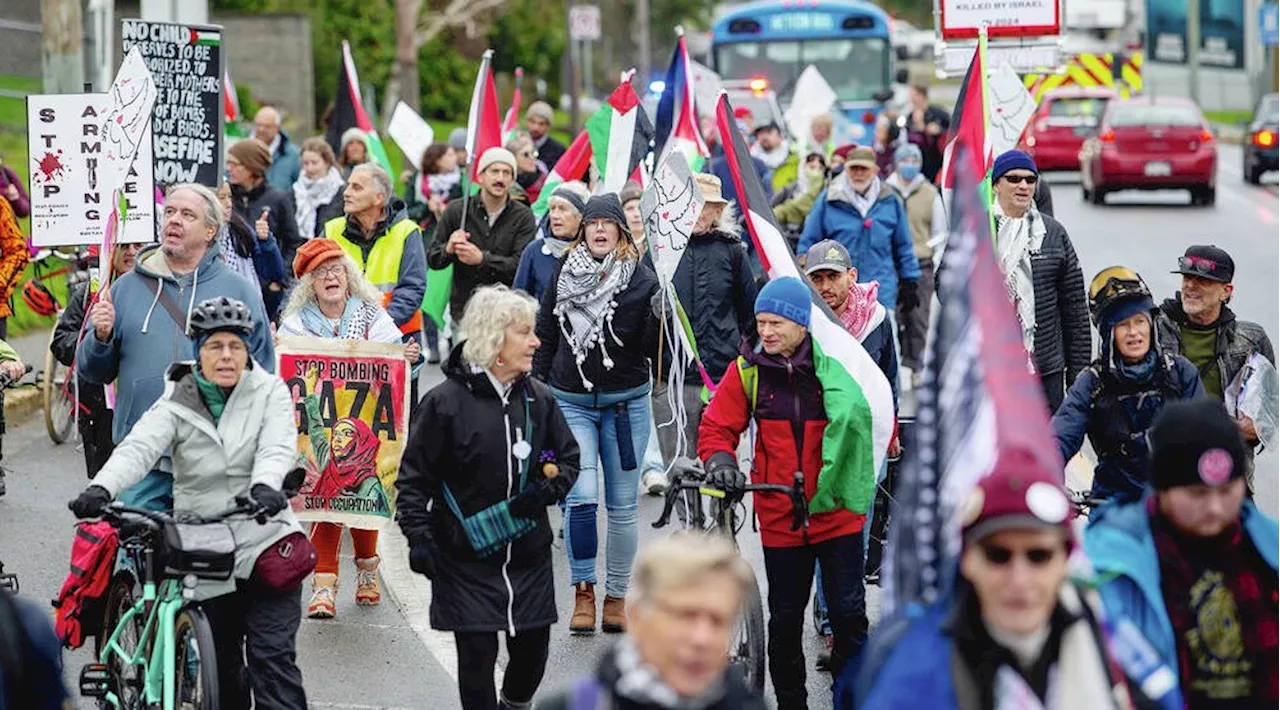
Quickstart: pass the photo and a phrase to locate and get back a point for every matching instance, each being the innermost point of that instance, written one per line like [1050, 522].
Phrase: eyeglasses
[1015, 179]
[1037, 556]
[326, 271]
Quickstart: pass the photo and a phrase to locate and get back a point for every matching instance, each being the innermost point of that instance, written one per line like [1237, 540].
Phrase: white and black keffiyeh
[640, 683]
[586, 296]
[1017, 240]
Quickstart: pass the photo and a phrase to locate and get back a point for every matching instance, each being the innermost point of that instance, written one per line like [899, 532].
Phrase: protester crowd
[555, 393]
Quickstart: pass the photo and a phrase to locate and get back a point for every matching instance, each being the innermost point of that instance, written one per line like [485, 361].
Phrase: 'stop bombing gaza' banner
[186, 62]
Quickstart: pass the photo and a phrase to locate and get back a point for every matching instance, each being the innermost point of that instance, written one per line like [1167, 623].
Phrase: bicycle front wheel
[59, 405]
[196, 666]
[748, 649]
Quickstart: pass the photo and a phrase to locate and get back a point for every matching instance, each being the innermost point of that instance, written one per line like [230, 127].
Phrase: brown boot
[584, 609]
[614, 618]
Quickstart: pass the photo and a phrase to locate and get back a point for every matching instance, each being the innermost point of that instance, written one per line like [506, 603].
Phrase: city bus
[768, 43]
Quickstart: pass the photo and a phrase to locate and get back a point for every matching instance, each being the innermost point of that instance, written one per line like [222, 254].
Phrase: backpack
[93, 557]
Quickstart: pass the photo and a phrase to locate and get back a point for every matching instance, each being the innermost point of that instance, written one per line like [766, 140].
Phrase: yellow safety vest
[383, 267]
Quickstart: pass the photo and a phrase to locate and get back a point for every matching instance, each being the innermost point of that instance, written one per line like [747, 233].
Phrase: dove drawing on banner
[670, 207]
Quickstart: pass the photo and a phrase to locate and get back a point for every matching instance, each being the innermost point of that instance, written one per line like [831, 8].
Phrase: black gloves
[422, 556]
[727, 477]
[908, 296]
[539, 495]
[271, 500]
[91, 502]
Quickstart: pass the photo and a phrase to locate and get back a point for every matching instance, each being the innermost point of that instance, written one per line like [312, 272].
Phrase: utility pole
[572, 89]
[1193, 48]
[62, 46]
[642, 37]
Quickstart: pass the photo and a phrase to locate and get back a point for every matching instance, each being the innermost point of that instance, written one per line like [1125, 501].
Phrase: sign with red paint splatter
[70, 202]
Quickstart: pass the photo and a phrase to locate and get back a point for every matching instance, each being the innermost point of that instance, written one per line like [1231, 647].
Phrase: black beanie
[1195, 442]
[606, 206]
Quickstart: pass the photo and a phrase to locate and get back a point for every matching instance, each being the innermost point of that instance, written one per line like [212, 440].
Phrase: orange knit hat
[314, 253]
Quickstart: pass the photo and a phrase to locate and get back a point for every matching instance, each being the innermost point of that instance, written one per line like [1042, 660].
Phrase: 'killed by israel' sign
[186, 62]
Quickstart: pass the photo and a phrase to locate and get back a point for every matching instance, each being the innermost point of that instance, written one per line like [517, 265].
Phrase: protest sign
[411, 133]
[670, 207]
[70, 198]
[187, 64]
[352, 404]
[1011, 107]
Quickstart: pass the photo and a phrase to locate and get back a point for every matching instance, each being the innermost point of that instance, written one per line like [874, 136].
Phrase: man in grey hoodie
[140, 326]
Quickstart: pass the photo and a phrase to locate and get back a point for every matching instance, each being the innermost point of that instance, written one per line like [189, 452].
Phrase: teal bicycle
[157, 650]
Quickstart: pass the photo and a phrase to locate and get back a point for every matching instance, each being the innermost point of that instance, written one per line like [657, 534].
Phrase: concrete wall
[19, 46]
[272, 56]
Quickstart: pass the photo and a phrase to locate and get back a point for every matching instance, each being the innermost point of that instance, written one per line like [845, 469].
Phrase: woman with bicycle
[334, 300]
[595, 323]
[488, 451]
[1116, 399]
[229, 424]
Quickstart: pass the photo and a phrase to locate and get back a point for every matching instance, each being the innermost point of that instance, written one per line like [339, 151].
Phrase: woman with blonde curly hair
[333, 300]
[488, 451]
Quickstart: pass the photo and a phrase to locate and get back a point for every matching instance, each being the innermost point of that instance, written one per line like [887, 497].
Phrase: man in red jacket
[784, 397]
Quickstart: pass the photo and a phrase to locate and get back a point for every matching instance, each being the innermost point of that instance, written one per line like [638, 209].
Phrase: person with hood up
[1116, 399]
[317, 193]
[228, 423]
[285, 156]
[488, 452]
[143, 323]
[594, 324]
[542, 256]
[254, 199]
[333, 300]
[927, 219]
[353, 151]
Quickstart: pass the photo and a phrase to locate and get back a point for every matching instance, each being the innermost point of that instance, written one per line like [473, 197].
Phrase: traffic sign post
[1269, 23]
[584, 23]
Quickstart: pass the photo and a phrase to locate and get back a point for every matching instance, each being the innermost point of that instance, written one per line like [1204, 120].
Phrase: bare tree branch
[458, 13]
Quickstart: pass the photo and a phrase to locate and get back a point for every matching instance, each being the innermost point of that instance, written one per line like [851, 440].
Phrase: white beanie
[497, 154]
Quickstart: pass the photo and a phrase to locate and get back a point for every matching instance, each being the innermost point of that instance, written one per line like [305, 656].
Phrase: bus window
[856, 69]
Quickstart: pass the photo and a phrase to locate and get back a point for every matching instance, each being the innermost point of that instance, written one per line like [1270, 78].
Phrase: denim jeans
[820, 598]
[597, 434]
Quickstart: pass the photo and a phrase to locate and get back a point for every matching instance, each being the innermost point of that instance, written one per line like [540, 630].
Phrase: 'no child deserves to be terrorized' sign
[186, 63]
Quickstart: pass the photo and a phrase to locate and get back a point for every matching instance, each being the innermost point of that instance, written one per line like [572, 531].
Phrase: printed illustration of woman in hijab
[347, 461]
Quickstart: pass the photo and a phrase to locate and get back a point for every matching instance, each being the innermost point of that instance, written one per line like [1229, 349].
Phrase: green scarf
[214, 396]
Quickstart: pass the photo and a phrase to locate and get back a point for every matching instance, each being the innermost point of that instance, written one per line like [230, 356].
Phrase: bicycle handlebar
[6, 379]
[118, 513]
[689, 478]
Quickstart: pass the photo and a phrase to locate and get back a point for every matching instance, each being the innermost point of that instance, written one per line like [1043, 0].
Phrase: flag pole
[473, 127]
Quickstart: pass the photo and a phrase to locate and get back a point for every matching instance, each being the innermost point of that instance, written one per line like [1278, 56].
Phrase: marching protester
[253, 198]
[286, 159]
[838, 156]
[141, 325]
[794, 203]
[530, 172]
[317, 193]
[819, 140]
[716, 290]
[537, 122]
[251, 251]
[1117, 398]
[13, 191]
[488, 452]
[458, 141]
[1016, 631]
[14, 255]
[785, 403]
[928, 222]
[484, 249]
[682, 613]
[37, 683]
[211, 465]
[868, 218]
[354, 151]
[776, 153]
[630, 196]
[594, 324]
[927, 127]
[885, 144]
[1192, 565]
[1043, 276]
[541, 258]
[332, 299]
[429, 190]
[1199, 324]
[94, 420]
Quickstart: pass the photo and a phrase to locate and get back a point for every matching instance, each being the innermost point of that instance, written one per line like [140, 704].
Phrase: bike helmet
[1112, 285]
[219, 314]
[39, 298]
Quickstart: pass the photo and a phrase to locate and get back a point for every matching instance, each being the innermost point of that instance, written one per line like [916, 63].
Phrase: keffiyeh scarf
[309, 195]
[862, 311]
[585, 302]
[1017, 240]
[640, 683]
[357, 319]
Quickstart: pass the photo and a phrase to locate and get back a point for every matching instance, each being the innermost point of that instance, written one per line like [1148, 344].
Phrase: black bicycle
[728, 515]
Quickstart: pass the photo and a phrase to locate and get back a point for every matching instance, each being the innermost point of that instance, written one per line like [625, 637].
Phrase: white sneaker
[654, 483]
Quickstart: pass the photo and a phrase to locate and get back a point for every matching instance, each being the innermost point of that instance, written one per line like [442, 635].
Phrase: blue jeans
[819, 598]
[597, 433]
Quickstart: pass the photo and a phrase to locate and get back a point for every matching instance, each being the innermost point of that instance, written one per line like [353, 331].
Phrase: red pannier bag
[79, 603]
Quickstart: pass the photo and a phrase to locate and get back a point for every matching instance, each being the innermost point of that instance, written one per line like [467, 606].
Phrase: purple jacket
[22, 205]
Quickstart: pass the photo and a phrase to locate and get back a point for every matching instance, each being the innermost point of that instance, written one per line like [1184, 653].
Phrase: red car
[1063, 120]
[1150, 144]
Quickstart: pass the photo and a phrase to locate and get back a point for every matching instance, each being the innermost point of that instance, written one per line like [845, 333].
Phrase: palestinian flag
[573, 165]
[208, 38]
[969, 123]
[484, 129]
[620, 135]
[511, 122]
[348, 112]
[855, 393]
[230, 107]
[677, 119]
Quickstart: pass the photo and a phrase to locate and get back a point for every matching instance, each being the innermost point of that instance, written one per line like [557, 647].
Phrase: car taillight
[1107, 137]
[1264, 138]
[1206, 135]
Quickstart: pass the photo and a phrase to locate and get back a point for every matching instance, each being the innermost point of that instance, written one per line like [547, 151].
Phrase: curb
[20, 402]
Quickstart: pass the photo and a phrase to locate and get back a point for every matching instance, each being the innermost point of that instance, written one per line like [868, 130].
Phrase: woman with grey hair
[558, 228]
[530, 172]
[487, 453]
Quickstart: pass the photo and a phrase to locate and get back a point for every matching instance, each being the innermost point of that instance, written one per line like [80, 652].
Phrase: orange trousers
[327, 539]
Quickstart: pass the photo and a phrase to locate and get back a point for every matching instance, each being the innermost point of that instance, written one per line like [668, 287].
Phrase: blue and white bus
[770, 42]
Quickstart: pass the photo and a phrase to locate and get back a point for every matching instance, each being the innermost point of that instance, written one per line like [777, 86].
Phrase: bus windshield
[856, 68]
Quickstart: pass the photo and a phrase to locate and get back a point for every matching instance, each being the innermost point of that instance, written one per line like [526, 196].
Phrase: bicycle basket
[206, 551]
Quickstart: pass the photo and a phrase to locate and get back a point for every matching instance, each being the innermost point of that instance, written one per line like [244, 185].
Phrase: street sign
[1269, 23]
[584, 22]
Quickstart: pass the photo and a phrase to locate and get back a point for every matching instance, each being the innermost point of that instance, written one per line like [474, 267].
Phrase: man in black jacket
[486, 249]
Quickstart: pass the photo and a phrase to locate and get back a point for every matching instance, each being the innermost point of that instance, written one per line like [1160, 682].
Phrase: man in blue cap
[1043, 277]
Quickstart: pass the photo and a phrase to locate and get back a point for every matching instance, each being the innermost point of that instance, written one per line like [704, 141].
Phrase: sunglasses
[1198, 264]
[1015, 179]
[1037, 556]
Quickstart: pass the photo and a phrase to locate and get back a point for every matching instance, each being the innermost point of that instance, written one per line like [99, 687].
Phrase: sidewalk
[20, 402]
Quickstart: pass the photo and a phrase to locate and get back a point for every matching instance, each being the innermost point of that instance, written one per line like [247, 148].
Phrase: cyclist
[1116, 399]
[789, 415]
[12, 367]
[229, 424]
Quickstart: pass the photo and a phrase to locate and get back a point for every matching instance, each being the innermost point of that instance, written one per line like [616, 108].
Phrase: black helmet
[1114, 284]
[221, 313]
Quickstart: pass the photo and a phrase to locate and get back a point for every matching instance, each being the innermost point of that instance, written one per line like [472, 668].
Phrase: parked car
[1061, 123]
[1262, 151]
[1150, 144]
[911, 42]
